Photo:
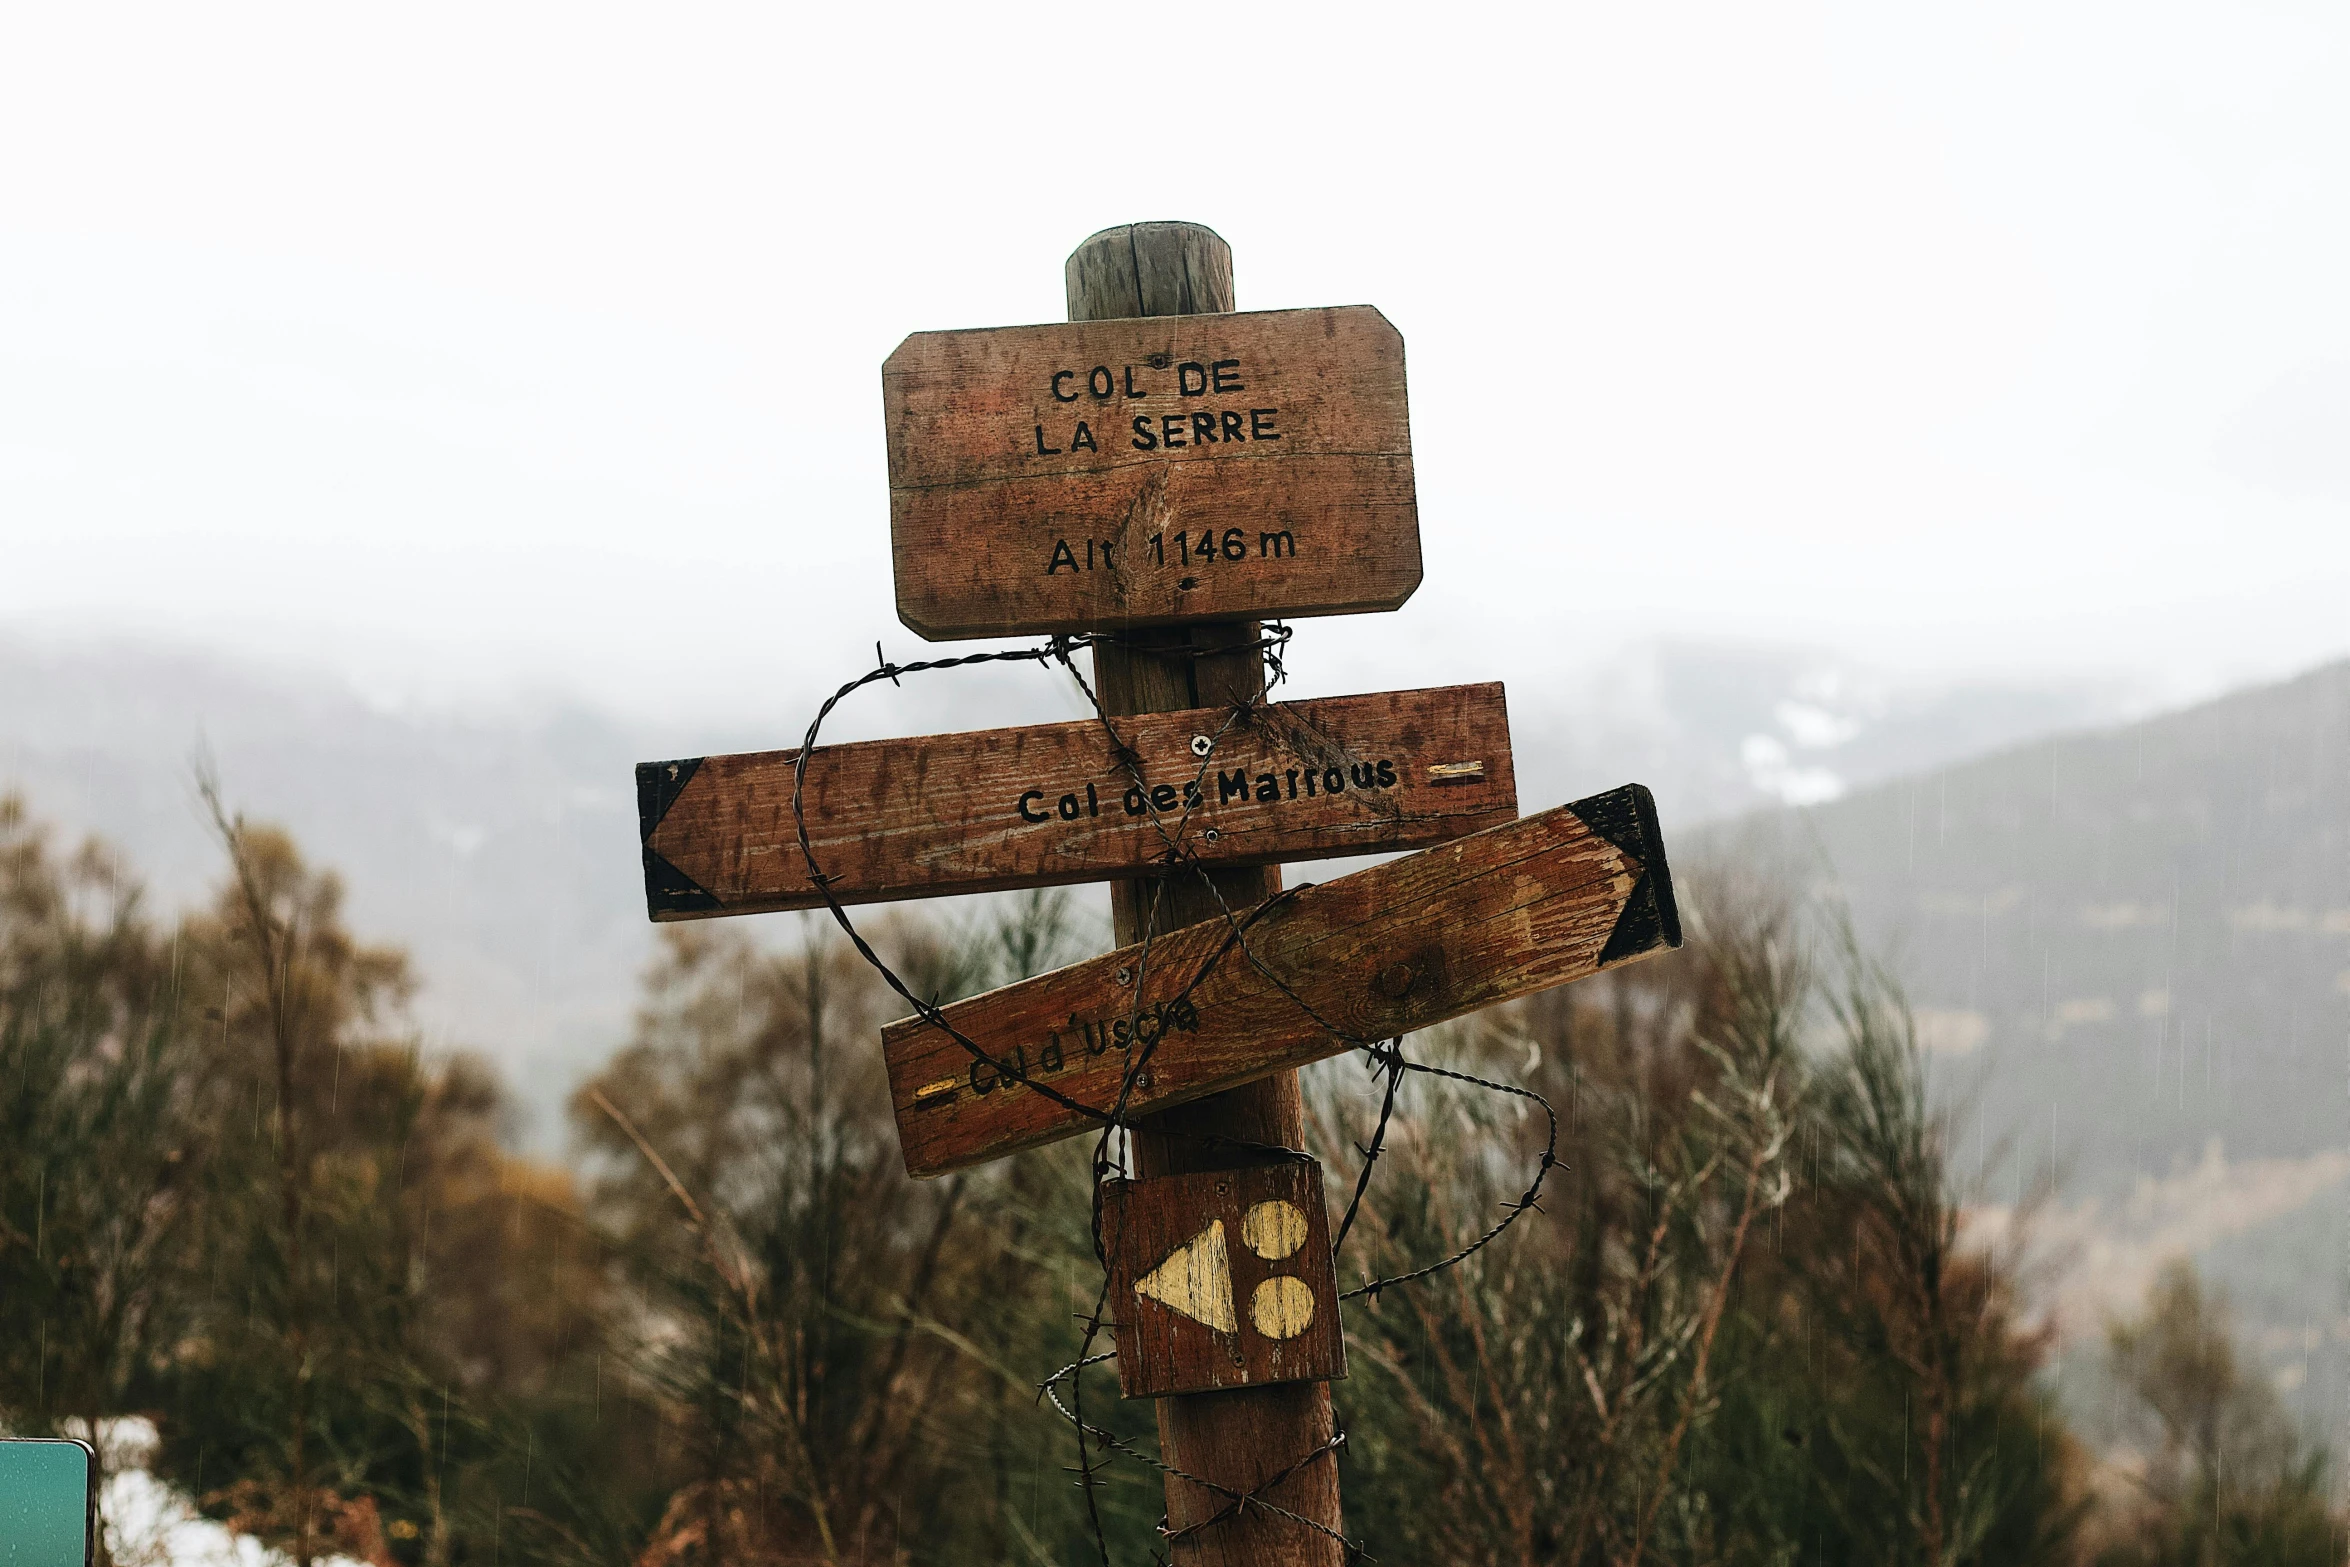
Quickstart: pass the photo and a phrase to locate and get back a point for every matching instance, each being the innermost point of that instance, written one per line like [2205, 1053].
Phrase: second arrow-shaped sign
[1402, 946]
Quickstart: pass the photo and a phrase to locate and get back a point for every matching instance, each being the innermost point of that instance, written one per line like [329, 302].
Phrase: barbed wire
[1177, 856]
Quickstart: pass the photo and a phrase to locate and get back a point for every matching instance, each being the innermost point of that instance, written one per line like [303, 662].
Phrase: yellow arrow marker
[1196, 1279]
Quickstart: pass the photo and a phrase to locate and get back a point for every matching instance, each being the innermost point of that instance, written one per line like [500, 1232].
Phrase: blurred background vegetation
[1752, 1323]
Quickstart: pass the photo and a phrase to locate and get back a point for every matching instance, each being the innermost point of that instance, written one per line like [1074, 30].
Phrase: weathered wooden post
[1245, 1436]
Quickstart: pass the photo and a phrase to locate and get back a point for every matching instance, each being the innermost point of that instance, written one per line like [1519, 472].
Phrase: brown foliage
[336, 1524]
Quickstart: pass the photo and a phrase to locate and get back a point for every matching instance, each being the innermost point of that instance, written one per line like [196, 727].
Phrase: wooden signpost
[1223, 1280]
[1152, 469]
[1166, 468]
[1006, 808]
[1401, 946]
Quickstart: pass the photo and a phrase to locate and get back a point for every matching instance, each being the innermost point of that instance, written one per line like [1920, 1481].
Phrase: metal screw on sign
[1201, 745]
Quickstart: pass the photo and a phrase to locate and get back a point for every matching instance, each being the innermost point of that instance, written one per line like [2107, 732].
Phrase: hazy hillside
[2131, 945]
[2131, 952]
[501, 851]
[501, 857]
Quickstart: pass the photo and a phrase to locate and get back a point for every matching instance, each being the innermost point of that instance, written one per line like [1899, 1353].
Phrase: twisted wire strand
[1177, 854]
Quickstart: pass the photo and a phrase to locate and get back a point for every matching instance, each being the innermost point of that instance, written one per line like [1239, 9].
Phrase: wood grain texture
[1401, 946]
[1062, 477]
[1054, 803]
[1245, 1438]
[1149, 269]
[1270, 1312]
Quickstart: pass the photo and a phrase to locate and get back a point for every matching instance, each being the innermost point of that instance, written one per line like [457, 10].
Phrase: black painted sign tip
[669, 892]
[1626, 817]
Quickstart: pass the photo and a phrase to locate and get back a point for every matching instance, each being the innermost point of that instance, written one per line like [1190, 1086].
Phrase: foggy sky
[481, 351]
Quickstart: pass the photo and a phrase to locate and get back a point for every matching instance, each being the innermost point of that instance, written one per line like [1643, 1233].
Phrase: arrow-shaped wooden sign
[1152, 469]
[1401, 946]
[1031, 807]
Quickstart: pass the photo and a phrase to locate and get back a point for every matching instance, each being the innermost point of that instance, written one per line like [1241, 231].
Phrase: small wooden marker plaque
[1222, 1279]
[1405, 945]
[1032, 807]
[1119, 473]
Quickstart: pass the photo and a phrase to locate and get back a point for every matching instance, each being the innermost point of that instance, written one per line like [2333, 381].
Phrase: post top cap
[1161, 268]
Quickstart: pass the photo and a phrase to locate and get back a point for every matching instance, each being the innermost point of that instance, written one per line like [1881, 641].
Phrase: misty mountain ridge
[2129, 953]
[2128, 943]
[500, 848]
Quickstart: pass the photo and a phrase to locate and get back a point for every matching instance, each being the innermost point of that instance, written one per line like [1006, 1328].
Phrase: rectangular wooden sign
[1164, 468]
[1401, 946]
[1031, 807]
[1222, 1279]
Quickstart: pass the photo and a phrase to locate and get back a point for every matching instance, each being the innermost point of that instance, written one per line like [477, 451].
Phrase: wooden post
[1244, 1437]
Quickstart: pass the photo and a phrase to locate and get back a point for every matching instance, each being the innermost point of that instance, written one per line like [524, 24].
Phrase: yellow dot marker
[1283, 1306]
[1273, 1230]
